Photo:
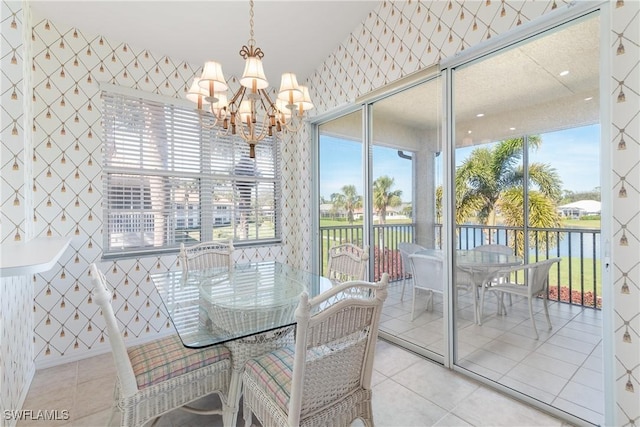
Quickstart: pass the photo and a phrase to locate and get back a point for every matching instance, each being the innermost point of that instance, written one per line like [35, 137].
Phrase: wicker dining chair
[162, 375]
[206, 255]
[326, 378]
[347, 262]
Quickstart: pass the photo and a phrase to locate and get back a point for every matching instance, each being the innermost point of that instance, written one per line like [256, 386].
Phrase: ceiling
[516, 91]
[296, 36]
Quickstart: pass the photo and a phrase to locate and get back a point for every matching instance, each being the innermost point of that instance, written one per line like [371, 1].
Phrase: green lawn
[580, 275]
[577, 223]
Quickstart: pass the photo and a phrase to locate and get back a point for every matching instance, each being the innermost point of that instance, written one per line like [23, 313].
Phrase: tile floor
[408, 391]
[563, 368]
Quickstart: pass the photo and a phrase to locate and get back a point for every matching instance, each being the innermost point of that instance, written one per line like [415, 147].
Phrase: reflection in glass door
[341, 185]
[526, 137]
[406, 179]
[400, 204]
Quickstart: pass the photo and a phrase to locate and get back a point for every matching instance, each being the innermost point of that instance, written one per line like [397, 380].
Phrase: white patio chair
[206, 255]
[427, 271]
[162, 375]
[536, 283]
[407, 249]
[326, 379]
[347, 262]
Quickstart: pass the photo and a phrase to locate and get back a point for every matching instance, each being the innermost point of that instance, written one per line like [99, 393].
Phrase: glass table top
[216, 305]
[471, 258]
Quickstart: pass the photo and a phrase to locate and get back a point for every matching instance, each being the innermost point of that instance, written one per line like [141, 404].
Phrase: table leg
[482, 283]
[477, 282]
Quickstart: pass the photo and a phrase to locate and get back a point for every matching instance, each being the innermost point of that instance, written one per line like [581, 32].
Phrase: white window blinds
[168, 180]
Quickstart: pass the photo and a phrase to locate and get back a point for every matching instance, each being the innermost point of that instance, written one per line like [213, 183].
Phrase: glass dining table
[250, 308]
[481, 266]
[217, 305]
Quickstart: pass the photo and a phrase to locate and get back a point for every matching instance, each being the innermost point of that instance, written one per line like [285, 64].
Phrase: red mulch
[587, 297]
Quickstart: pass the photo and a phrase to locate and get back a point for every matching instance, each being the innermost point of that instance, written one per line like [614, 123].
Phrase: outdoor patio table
[250, 308]
[481, 266]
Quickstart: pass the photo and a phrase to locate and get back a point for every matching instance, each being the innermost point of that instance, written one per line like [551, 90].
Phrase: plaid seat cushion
[273, 372]
[168, 358]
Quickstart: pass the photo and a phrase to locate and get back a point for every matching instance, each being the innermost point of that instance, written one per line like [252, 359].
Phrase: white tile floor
[408, 391]
[563, 368]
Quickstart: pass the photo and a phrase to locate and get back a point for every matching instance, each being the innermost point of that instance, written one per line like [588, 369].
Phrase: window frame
[210, 174]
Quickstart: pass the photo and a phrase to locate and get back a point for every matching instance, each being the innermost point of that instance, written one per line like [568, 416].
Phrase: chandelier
[250, 112]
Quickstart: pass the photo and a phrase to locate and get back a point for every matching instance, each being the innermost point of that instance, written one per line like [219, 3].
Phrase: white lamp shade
[196, 91]
[245, 110]
[306, 103]
[289, 89]
[212, 73]
[254, 72]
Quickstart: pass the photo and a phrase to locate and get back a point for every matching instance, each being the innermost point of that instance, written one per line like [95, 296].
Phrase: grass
[577, 223]
[580, 275]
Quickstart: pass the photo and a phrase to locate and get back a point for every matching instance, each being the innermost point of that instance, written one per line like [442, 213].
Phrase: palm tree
[491, 180]
[383, 197]
[348, 200]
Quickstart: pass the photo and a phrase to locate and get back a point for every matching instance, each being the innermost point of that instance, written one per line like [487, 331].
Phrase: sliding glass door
[526, 151]
[516, 174]
[407, 178]
[383, 191]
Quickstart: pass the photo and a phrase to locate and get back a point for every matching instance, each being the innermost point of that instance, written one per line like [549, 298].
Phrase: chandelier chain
[252, 40]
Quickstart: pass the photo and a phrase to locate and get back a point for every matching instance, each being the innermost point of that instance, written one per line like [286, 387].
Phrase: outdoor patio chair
[427, 271]
[162, 375]
[326, 378]
[407, 249]
[347, 262]
[536, 283]
[206, 255]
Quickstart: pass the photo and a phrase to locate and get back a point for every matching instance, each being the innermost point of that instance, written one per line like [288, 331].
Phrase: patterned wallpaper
[68, 67]
[624, 52]
[395, 40]
[16, 293]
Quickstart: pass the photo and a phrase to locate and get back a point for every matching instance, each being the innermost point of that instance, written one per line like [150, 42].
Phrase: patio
[563, 368]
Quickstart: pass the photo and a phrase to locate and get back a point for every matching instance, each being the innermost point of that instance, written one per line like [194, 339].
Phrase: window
[169, 180]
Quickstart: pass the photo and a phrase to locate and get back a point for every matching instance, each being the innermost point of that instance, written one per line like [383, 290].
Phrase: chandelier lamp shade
[250, 112]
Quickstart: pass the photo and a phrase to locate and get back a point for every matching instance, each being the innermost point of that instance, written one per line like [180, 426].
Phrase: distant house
[580, 208]
[328, 210]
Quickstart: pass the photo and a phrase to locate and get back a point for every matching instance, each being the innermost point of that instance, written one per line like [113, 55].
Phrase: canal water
[583, 243]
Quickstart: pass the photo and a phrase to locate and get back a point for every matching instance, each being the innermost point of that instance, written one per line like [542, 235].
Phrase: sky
[574, 153]
[341, 164]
